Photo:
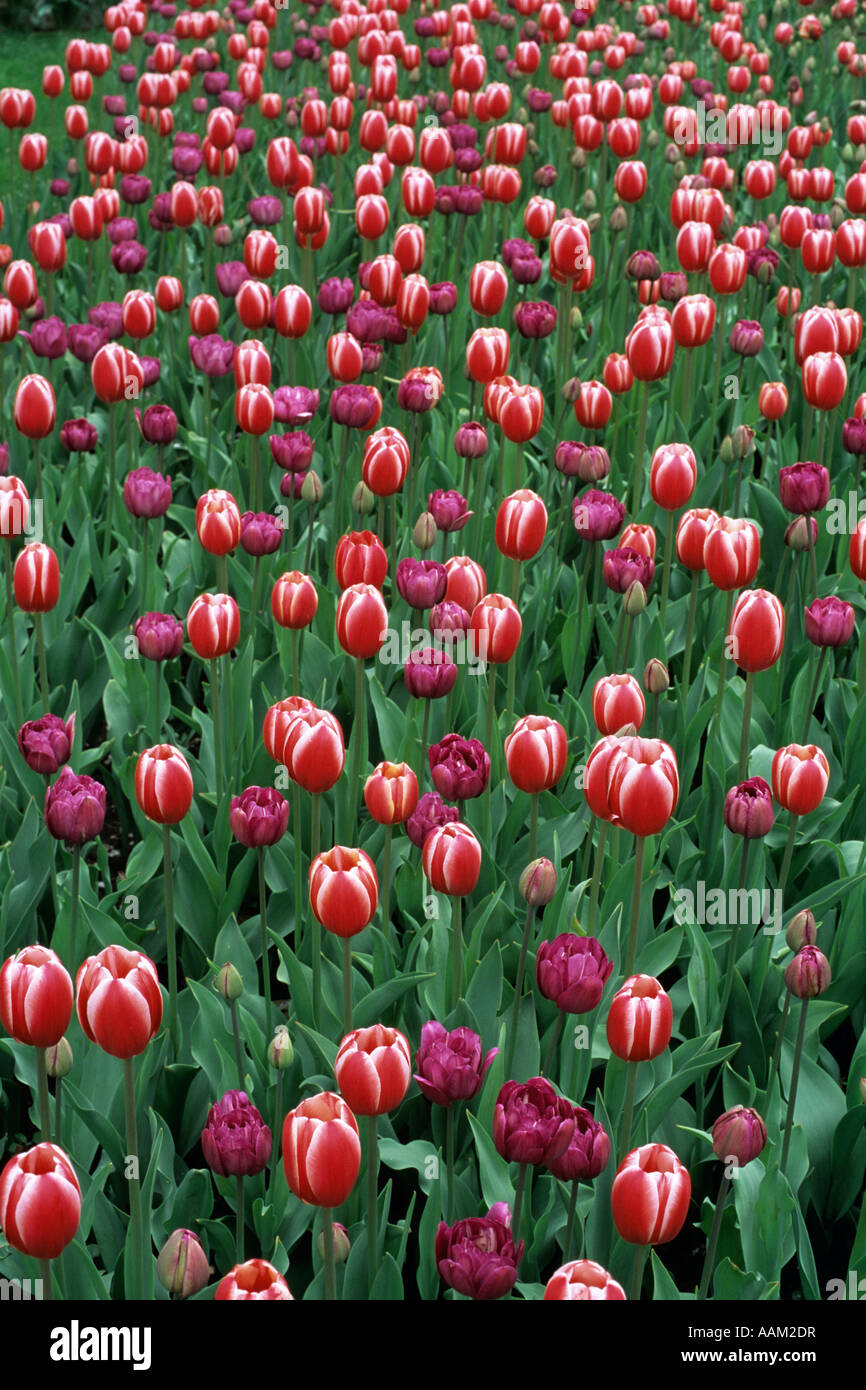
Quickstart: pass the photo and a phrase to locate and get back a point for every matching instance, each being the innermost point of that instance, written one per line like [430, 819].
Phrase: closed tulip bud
[740, 1134]
[181, 1265]
[650, 1195]
[584, 1281]
[281, 1054]
[801, 930]
[572, 971]
[673, 474]
[75, 808]
[800, 776]
[450, 1065]
[477, 1256]
[342, 1245]
[804, 487]
[808, 974]
[757, 631]
[229, 982]
[537, 884]
[617, 701]
[45, 744]
[59, 1059]
[321, 1150]
[118, 1001]
[749, 809]
[363, 500]
[656, 677]
[40, 1202]
[640, 1020]
[535, 753]
[743, 442]
[311, 488]
[635, 599]
[797, 533]
[425, 531]
[344, 890]
[213, 624]
[373, 1069]
[531, 1123]
[235, 1141]
[36, 578]
[163, 784]
[35, 997]
[391, 793]
[829, 622]
[254, 1280]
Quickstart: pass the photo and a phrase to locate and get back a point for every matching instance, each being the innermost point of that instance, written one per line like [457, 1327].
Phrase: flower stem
[747, 726]
[690, 633]
[239, 1218]
[792, 1090]
[170, 940]
[73, 914]
[44, 1097]
[634, 1287]
[236, 1034]
[263, 913]
[533, 826]
[666, 571]
[217, 728]
[330, 1268]
[317, 927]
[813, 694]
[713, 1239]
[569, 1229]
[386, 883]
[789, 850]
[518, 990]
[136, 1223]
[347, 984]
[13, 642]
[735, 930]
[456, 950]
[43, 669]
[554, 1043]
[640, 849]
[628, 1109]
[596, 876]
[450, 1127]
[372, 1200]
[637, 482]
[518, 1201]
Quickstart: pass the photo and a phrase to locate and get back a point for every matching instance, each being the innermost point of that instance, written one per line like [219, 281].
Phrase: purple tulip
[443, 297]
[829, 622]
[159, 636]
[107, 316]
[147, 494]
[588, 1153]
[158, 424]
[527, 270]
[421, 582]
[854, 436]
[121, 229]
[448, 509]
[447, 621]
[804, 487]
[129, 257]
[588, 462]
[186, 162]
[459, 767]
[135, 189]
[749, 809]
[572, 970]
[430, 674]
[78, 436]
[75, 808]
[538, 101]
[335, 295]
[292, 451]
[449, 1065]
[215, 82]
[261, 533]
[673, 286]
[747, 338]
[84, 341]
[259, 817]
[477, 1256]
[45, 744]
[623, 566]
[294, 405]
[371, 358]
[4, 459]
[739, 1134]
[535, 318]
[212, 354]
[151, 370]
[470, 440]
[230, 275]
[416, 394]
[235, 1141]
[598, 516]
[808, 974]
[429, 814]
[353, 406]
[47, 337]
[531, 1123]
[266, 210]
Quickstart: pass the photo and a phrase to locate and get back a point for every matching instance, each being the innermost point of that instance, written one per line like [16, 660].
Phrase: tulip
[40, 1203]
[322, 1159]
[459, 767]
[430, 813]
[640, 1020]
[147, 494]
[583, 1280]
[800, 775]
[75, 808]
[429, 675]
[235, 1141]
[45, 744]
[450, 1065]
[572, 971]
[256, 1279]
[617, 701]
[181, 1265]
[829, 622]
[35, 997]
[739, 1136]
[650, 1196]
[373, 1069]
[757, 631]
[478, 1256]
[531, 1126]
[749, 809]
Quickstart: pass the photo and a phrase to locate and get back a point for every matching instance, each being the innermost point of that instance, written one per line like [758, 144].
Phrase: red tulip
[650, 349]
[218, 522]
[496, 626]
[40, 1202]
[800, 777]
[732, 552]
[35, 409]
[643, 785]
[14, 506]
[252, 364]
[344, 356]
[773, 400]
[488, 286]
[673, 475]
[386, 461]
[362, 620]
[344, 890]
[256, 1279]
[535, 753]
[650, 1195]
[118, 1000]
[116, 374]
[693, 319]
[617, 701]
[824, 379]
[593, 406]
[37, 578]
[727, 269]
[138, 314]
[584, 1281]
[254, 409]
[312, 749]
[213, 624]
[294, 600]
[360, 558]
[373, 1069]
[467, 582]
[35, 997]
[293, 312]
[204, 315]
[451, 859]
[521, 525]
[521, 413]
[757, 632]
[487, 354]
[48, 245]
[640, 1020]
[163, 784]
[391, 793]
[321, 1150]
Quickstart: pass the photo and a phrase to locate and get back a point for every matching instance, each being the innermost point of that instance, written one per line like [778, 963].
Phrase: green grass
[23, 55]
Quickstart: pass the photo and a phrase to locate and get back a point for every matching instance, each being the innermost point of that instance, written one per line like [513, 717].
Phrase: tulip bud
[618, 220]
[862, 1085]
[635, 599]
[538, 883]
[181, 1265]
[342, 1244]
[739, 1134]
[656, 679]
[801, 930]
[726, 450]
[808, 974]
[743, 442]
[58, 1059]
[311, 488]
[281, 1054]
[797, 533]
[570, 392]
[425, 531]
[229, 982]
[363, 500]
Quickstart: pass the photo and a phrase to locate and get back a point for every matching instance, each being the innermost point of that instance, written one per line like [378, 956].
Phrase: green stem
[792, 1091]
[456, 950]
[555, 1039]
[239, 1219]
[263, 913]
[789, 850]
[518, 1201]
[316, 925]
[596, 877]
[217, 729]
[569, 1228]
[735, 931]
[236, 1035]
[636, 1281]
[112, 474]
[713, 1240]
[729, 600]
[13, 641]
[814, 692]
[44, 1097]
[58, 1109]
[637, 481]
[45, 1276]
[533, 826]
[631, 953]
[372, 1200]
[777, 1051]
[747, 726]
[136, 1222]
[518, 990]
[628, 1109]
[347, 984]
[170, 941]
[43, 669]
[330, 1268]
[386, 883]
[73, 907]
[450, 1126]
